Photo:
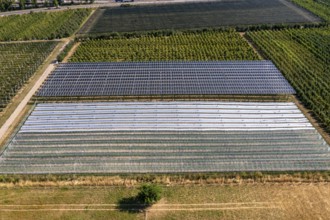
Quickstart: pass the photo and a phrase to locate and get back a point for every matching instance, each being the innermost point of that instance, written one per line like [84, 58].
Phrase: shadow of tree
[131, 205]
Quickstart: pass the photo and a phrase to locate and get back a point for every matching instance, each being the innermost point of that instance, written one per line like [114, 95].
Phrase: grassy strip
[65, 51]
[176, 179]
[318, 7]
[169, 32]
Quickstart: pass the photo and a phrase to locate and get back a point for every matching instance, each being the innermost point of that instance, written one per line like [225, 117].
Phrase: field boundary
[12, 114]
[71, 52]
[301, 11]
[136, 207]
[207, 179]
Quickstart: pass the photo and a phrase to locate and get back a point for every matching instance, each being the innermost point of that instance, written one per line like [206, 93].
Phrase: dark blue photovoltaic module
[166, 78]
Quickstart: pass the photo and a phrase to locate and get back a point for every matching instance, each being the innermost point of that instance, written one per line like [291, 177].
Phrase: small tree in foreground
[149, 194]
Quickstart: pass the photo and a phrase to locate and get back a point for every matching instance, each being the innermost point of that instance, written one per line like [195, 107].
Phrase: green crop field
[210, 45]
[42, 25]
[18, 61]
[196, 15]
[303, 57]
[318, 7]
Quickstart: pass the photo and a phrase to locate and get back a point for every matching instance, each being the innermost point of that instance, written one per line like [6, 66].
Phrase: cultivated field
[165, 137]
[246, 201]
[42, 25]
[92, 156]
[209, 45]
[318, 7]
[303, 57]
[196, 15]
[18, 62]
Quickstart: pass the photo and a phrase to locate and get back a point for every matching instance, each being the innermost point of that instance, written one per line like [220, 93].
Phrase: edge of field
[21, 94]
[28, 86]
[201, 201]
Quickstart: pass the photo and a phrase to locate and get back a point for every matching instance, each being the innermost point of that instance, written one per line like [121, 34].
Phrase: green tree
[21, 4]
[34, 3]
[55, 3]
[5, 5]
[149, 194]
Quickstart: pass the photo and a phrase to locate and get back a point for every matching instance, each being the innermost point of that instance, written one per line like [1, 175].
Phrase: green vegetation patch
[42, 25]
[303, 57]
[318, 7]
[209, 45]
[65, 51]
[18, 61]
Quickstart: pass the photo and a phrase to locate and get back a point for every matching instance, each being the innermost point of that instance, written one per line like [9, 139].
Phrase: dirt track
[7, 127]
[21, 106]
[154, 208]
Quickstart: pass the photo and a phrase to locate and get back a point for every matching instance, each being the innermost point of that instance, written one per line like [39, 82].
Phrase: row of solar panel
[207, 104]
[174, 68]
[151, 92]
[182, 63]
[193, 78]
[177, 70]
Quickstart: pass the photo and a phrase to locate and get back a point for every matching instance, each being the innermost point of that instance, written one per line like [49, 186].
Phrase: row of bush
[158, 33]
[174, 178]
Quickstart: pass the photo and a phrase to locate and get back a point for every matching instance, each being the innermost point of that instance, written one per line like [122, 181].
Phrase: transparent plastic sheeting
[165, 78]
[162, 116]
[118, 137]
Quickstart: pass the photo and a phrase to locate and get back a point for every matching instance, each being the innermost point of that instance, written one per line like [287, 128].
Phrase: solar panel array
[165, 78]
[160, 137]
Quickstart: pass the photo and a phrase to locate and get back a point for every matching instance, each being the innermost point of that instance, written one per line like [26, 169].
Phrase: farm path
[71, 52]
[132, 207]
[258, 52]
[9, 125]
[23, 103]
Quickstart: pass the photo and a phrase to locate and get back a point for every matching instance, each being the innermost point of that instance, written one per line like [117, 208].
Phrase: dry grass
[244, 201]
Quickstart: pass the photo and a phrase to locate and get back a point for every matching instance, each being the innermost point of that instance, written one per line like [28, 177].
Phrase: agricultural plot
[197, 15]
[161, 137]
[18, 61]
[318, 7]
[209, 45]
[165, 78]
[271, 201]
[303, 57]
[42, 25]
